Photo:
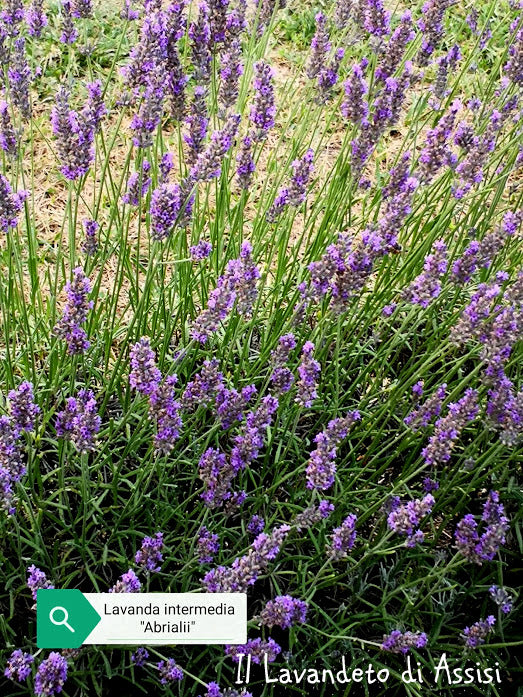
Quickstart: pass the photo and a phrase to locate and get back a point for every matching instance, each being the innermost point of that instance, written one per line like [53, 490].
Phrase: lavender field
[261, 310]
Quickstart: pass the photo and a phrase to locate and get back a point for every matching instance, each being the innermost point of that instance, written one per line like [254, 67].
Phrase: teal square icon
[64, 619]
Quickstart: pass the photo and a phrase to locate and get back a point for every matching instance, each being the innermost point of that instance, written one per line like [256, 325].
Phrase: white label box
[145, 619]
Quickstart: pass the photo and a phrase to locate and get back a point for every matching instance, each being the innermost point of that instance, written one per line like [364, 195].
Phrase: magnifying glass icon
[64, 621]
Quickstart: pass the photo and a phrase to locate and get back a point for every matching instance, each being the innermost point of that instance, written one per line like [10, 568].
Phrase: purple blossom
[202, 389]
[482, 548]
[377, 19]
[8, 137]
[164, 408]
[422, 415]
[245, 163]
[343, 539]
[150, 556]
[13, 15]
[75, 131]
[79, 422]
[20, 78]
[430, 485]
[501, 598]
[90, 243]
[74, 315]
[235, 21]
[144, 376]
[263, 108]
[249, 442]
[284, 612]
[81, 9]
[201, 251]
[69, 32]
[238, 283]
[148, 57]
[256, 525]
[295, 193]
[18, 666]
[258, 649]
[321, 466]
[207, 545]
[149, 114]
[137, 185]
[169, 671]
[23, 408]
[12, 468]
[230, 404]
[513, 69]
[394, 50]
[10, 205]
[476, 634]
[436, 151]
[231, 70]
[51, 675]
[200, 35]
[176, 81]
[197, 122]
[217, 474]
[328, 76]
[128, 13]
[320, 47]
[405, 519]
[208, 164]
[308, 370]
[127, 583]
[37, 580]
[245, 570]
[446, 64]
[403, 642]
[312, 515]
[281, 377]
[431, 24]
[166, 210]
[427, 285]
[448, 428]
[139, 657]
[355, 107]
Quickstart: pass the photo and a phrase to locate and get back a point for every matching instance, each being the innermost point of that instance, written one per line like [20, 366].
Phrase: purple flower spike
[284, 612]
[37, 580]
[321, 467]
[23, 408]
[395, 48]
[308, 370]
[69, 32]
[144, 376]
[209, 162]
[480, 549]
[137, 185]
[230, 73]
[502, 599]
[169, 671]
[75, 312]
[448, 428]
[51, 675]
[427, 285]
[403, 642]
[79, 422]
[207, 545]
[201, 251]
[355, 108]
[320, 47]
[128, 583]
[258, 649]
[377, 19]
[18, 666]
[8, 137]
[476, 634]
[200, 35]
[150, 556]
[197, 122]
[263, 109]
[343, 539]
[10, 205]
[139, 657]
[405, 519]
[90, 243]
[245, 164]
[431, 24]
